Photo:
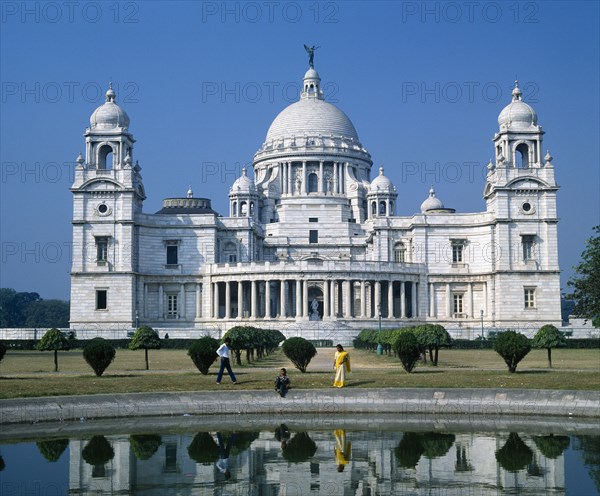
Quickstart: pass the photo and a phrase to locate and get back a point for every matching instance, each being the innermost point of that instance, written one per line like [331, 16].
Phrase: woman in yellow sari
[342, 449]
[341, 364]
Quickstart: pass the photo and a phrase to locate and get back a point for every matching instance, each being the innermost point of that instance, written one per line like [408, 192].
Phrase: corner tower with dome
[315, 242]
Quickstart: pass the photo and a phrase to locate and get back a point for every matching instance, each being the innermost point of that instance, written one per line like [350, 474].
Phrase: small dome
[109, 115]
[312, 74]
[517, 114]
[431, 203]
[243, 184]
[382, 183]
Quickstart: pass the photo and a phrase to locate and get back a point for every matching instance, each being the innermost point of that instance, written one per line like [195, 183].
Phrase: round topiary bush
[512, 347]
[51, 450]
[203, 449]
[407, 347]
[144, 445]
[145, 338]
[203, 353]
[98, 451]
[299, 351]
[99, 354]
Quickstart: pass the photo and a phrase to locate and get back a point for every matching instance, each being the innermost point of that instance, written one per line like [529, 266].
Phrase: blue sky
[423, 83]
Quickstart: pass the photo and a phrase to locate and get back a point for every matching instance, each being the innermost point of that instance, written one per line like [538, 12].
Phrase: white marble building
[314, 241]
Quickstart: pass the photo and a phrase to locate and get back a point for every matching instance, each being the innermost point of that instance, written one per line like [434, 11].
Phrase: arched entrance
[315, 302]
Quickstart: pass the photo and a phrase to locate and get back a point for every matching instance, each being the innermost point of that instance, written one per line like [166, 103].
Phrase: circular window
[526, 207]
[102, 208]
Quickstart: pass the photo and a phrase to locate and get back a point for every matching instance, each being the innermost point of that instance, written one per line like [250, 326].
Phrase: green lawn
[29, 373]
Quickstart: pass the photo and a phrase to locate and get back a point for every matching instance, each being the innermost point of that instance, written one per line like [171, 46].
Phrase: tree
[551, 446]
[409, 450]
[299, 351]
[13, 307]
[145, 338]
[203, 449]
[407, 348]
[586, 281]
[98, 451]
[47, 313]
[203, 353]
[53, 340]
[99, 354]
[432, 337]
[548, 337]
[51, 450]
[515, 455]
[512, 347]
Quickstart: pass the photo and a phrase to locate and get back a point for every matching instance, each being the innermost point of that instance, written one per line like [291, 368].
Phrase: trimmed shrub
[551, 446]
[53, 340]
[51, 450]
[98, 451]
[99, 354]
[145, 338]
[299, 351]
[203, 449]
[549, 337]
[409, 450]
[203, 353]
[144, 445]
[432, 337]
[512, 347]
[407, 348]
[515, 455]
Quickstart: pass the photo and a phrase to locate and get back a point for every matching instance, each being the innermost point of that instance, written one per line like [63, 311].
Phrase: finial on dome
[190, 193]
[243, 171]
[79, 159]
[431, 192]
[110, 94]
[381, 171]
[548, 158]
[516, 92]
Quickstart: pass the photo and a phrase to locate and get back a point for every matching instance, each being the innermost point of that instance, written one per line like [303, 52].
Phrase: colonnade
[313, 299]
[330, 177]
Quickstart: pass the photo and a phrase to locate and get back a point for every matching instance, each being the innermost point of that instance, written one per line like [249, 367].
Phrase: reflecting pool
[293, 457]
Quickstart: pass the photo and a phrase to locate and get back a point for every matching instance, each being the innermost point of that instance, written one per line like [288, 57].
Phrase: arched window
[522, 156]
[243, 209]
[234, 209]
[374, 208]
[399, 252]
[251, 208]
[105, 157]
[382, 208]
[313, 183]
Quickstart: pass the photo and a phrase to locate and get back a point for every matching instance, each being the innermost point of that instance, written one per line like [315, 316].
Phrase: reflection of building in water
[380, 463]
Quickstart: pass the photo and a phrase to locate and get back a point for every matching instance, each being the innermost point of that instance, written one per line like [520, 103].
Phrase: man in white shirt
[223, 352]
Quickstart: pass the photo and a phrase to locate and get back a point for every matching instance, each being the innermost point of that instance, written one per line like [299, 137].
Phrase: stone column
[448, 301]
[363, 299]
[282, 298]
[432, 300]
[334, 309]
[207, 288]
[347, 302]
[414, 299]
[321, 178]
[227, 300]
[325, 298]
[470, 300]
[267, 299]
[305, 298]
[290, 178]
[390, 299]
[198, 300]
[402, 300]
[335, 177]
[181, 307]
[282, 168]
[216, 300]
[304, 190]
[298, 298]
[253, 300]
[485, 299]
[161, 302]
[240, 300]
[377, 298]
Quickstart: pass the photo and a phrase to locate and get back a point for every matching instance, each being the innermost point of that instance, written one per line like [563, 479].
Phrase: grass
[28, 373]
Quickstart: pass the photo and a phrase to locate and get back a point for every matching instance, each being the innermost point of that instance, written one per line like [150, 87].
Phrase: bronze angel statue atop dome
[311, 55]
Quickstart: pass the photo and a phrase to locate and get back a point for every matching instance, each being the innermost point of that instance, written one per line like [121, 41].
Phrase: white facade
[313, 242]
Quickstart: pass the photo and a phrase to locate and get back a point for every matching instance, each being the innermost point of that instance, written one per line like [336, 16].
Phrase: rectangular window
[101, 299]
[458, 246]
[313, 236]
[102, 249]
[171, 305]
[232, 258]
[528, 243]
[172, 250]
[457, 303]
[529, 294]
[313, 219]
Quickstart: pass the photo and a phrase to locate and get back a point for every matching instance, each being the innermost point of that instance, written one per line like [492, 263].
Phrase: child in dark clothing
[282, 382]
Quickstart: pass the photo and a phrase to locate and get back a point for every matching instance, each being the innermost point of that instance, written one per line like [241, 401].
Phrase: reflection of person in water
[282, 434]
[342, 449]
[223, 463]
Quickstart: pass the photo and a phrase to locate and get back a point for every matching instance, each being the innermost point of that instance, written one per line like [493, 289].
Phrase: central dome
[311, 116]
